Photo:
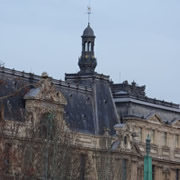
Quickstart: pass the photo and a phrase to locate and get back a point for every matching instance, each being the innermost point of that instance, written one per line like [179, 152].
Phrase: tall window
[86, 46]
[177, 141]
[177, 174]
[124, 169]
[152, 136]
[125, 140]
[164, 138]
[1, 112]
[82, 166]
[6, 160]
[140, 134]
[47, 126]
[90, 47]
[153, 172]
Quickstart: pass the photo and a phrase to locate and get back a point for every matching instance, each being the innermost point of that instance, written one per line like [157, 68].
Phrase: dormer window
[47, 126]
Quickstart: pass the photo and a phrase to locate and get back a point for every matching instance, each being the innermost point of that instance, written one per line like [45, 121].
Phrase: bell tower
[87, 61]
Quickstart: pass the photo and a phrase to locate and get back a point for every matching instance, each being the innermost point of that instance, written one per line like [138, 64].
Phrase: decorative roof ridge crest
[36, 78]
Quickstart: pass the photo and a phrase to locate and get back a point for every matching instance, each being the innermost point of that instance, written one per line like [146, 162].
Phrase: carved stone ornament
[46, 91]
[155, 119]
[123, 138]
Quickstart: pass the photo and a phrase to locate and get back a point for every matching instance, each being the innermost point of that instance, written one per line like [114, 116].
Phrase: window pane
[82, 166]
[153, 172]
[177, 174]
[124, 169]
[152, 136]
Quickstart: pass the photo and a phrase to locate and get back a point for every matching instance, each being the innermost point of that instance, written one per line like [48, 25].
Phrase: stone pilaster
[173, 174]
[134, 170]
[158, 172]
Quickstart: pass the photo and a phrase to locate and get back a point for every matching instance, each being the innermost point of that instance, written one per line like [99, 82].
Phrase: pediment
[155, 119]
[46, 91]
[131, 147]
[176, 123]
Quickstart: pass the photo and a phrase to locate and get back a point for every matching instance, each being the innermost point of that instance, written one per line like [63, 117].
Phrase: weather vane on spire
[89, 12]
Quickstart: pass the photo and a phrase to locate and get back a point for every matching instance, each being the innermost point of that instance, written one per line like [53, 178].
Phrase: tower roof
[88, 31]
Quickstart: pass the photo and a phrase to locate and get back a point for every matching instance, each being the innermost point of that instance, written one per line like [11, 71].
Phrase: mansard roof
[131, 101]
[90, 107]
[92, 100]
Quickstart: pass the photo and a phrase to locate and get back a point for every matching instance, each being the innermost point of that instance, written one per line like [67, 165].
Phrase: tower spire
[89, 12]
[87, 61]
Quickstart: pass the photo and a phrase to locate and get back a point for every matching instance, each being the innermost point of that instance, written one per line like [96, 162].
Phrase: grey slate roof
[133, 102]
[105, 115]
[90, 106]
[94, 103]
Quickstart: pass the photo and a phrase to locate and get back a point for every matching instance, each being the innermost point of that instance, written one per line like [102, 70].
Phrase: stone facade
[84, 128]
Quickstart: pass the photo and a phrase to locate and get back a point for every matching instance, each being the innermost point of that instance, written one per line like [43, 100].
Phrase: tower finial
[89, 12]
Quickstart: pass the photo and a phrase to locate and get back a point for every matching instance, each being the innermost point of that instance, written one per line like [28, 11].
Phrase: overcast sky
[135, 40]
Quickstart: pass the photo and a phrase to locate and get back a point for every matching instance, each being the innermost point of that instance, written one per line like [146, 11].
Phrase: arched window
[125, 140]
[86, 46]
[47, 126]
[89, 46]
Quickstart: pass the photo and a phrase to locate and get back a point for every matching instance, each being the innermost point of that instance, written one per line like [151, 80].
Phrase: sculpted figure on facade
[124, 137]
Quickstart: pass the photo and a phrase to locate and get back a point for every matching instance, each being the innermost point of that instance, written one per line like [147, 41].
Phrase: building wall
[165, 146]
[84, 156]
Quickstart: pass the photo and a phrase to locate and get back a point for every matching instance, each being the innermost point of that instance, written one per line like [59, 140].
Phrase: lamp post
[148, 161]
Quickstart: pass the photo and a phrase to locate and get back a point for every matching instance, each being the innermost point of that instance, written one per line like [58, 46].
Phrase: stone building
[107, 124]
